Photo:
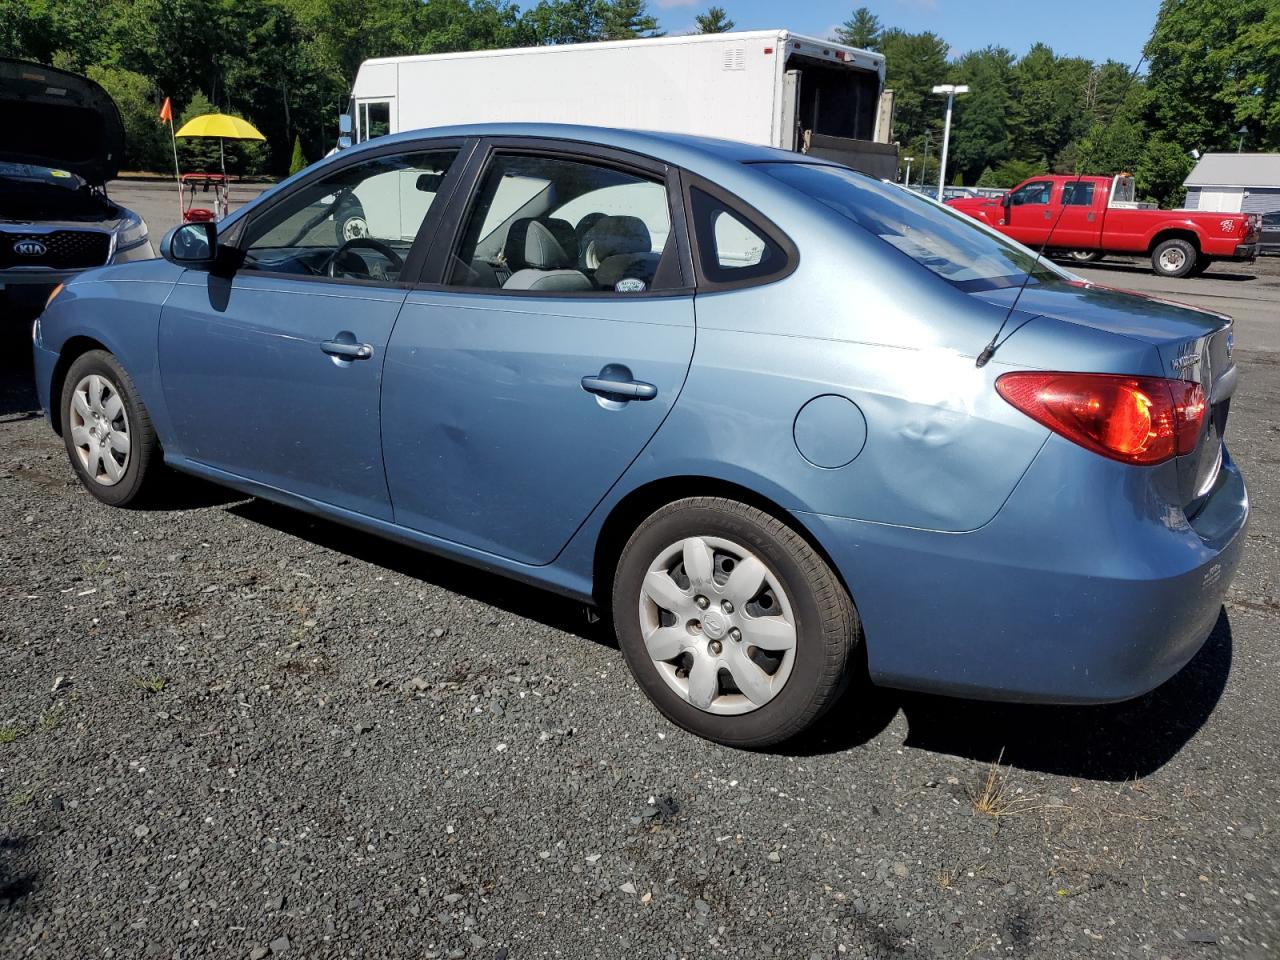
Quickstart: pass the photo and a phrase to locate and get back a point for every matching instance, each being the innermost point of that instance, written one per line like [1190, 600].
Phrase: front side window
[937, 237]
[1031, 194]
[557, 225]
[1077, 194]
[356, 223]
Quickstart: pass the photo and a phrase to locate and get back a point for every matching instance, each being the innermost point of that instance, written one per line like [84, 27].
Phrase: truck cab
[1085, 217]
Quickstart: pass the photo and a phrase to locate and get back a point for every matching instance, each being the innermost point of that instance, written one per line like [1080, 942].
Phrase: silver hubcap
[100, 429]
[1172, 259]
[354, 228]
[718, 625]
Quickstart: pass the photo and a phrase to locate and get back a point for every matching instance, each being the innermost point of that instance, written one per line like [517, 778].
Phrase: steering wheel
[394, 260]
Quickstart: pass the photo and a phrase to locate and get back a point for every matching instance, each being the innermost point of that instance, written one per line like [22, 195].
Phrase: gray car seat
[618, 247]
[542, 252]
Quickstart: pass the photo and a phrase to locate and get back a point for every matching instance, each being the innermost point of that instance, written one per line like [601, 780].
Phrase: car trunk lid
[1192, 344]
[52, 118]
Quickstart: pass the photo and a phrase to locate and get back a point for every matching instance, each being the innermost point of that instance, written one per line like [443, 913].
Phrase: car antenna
[990, 349]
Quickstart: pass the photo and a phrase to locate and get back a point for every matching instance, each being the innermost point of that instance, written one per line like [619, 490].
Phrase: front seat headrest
[611, 236]
[547, 244]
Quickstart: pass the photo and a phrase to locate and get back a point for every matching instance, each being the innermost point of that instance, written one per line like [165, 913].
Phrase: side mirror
[191, 244]
[344, 142]
[1005, 201]
[344, 124]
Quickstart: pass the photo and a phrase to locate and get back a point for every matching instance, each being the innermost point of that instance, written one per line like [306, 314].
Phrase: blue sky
[1097, 29]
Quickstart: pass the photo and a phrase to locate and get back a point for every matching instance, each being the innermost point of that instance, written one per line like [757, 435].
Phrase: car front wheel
[107, 430]
[731, 622]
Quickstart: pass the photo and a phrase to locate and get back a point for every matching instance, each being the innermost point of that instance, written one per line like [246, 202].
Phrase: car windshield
[945, 241]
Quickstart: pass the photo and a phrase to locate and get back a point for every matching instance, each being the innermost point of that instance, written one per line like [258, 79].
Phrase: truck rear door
[1078, 209]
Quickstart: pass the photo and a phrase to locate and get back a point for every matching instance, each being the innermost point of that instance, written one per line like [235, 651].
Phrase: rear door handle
[347, 351]
[614, 382]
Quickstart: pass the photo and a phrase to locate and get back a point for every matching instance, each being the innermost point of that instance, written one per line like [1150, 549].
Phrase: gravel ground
[229, 730]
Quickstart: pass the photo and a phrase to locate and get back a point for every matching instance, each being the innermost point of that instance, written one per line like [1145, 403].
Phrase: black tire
[1083, 256]
[143, 463]
[827, 627]
[1179, 262]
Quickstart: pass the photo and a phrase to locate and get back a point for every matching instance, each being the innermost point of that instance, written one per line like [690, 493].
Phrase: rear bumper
[1087, 593]
[1245, 252]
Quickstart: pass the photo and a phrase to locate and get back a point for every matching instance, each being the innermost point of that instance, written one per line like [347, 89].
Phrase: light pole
[1244, 132]
[951, 90]
[907, 178]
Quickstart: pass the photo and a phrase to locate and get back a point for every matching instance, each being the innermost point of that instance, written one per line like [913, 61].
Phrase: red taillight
[1132, 419]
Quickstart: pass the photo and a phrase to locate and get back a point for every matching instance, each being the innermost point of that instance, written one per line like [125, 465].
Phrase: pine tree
[860, 30]
[298, 161]
[715, 20]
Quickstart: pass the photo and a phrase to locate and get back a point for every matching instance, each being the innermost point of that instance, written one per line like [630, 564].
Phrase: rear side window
[1077, 194]
[732, 247]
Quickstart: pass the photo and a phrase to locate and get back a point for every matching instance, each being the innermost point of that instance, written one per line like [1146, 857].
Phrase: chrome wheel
[717, 625]
[354, 228]
[100, 429]
[1172, 259]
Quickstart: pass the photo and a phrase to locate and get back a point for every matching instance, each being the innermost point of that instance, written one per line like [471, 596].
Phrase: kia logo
[30, 248]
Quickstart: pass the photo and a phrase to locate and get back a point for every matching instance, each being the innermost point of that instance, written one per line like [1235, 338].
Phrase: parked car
[1088, 217]
[729, 393]
[63, 141]
[1269, 238]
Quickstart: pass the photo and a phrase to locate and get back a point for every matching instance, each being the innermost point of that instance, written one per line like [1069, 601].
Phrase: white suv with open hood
[63, 140]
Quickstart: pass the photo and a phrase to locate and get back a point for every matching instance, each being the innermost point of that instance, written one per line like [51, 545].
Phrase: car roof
[681, 149]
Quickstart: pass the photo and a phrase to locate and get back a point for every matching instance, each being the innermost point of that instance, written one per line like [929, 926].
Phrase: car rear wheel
[732, 624]
[107, 431]
[1173, 258]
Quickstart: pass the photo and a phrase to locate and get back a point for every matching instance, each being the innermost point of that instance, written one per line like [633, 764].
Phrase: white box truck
[771, 87]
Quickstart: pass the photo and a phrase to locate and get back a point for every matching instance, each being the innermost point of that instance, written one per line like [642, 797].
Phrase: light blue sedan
[762, 409]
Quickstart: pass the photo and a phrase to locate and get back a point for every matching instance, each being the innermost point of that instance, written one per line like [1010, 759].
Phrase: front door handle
[347, 350]
[614, 382]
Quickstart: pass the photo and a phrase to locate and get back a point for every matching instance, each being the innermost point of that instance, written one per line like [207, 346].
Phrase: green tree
[1214, 66]
[299, 160]
[715, 20]
[146, 145]
[197, 154]
[1049, 99]
[1010, 173]
[914, 64]
[584, 21]
[1161, 170]
[980, 134]
[860, 30]
[628, 20]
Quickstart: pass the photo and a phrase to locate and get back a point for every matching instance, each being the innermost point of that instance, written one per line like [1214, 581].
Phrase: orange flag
[166, 112]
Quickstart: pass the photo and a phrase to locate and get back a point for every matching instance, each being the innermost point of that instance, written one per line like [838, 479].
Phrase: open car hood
[56, 119]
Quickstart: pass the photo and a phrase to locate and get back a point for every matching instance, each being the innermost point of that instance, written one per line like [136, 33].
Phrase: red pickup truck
[1086, 217]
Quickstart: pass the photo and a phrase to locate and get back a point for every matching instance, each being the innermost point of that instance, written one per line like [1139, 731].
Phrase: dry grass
[995, 797]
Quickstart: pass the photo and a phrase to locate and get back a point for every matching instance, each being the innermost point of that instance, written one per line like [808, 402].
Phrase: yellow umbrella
[220, 125]
[224, 127]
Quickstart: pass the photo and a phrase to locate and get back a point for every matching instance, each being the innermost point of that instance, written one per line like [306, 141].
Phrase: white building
[1235, 183]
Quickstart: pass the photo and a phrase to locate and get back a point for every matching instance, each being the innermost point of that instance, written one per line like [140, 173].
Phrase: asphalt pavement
[231, 730]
